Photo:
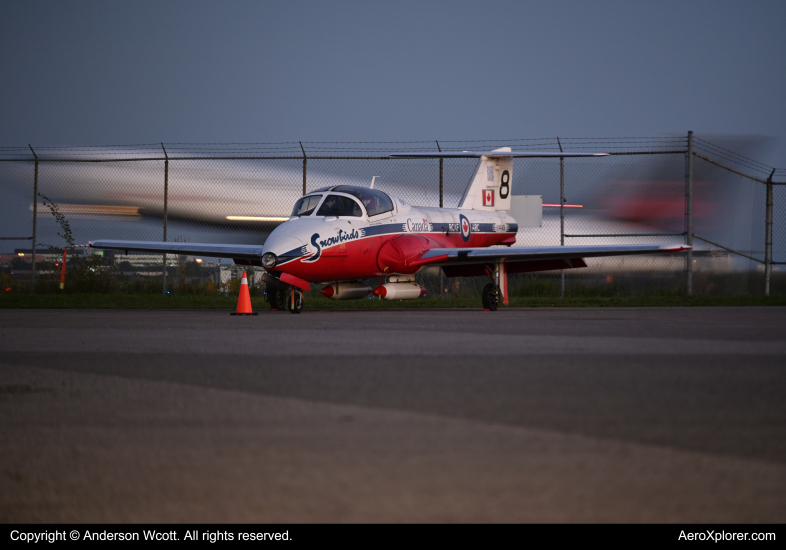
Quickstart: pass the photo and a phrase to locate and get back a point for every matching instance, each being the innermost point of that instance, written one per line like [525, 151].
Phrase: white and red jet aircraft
[341, 234]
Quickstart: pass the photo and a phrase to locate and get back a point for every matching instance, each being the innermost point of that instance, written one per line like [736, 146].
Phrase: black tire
[484, 295]
[490, 297]
[279, 299]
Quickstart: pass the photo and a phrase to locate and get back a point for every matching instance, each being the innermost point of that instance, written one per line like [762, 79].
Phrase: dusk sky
[105, 73]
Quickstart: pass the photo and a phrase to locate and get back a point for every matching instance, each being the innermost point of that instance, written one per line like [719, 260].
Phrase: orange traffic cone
[244, 300]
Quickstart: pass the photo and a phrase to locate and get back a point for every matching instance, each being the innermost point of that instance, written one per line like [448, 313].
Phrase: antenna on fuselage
[372, 182]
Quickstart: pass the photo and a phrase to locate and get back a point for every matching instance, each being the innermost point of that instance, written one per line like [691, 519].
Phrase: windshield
[306, 205]
[376, 202]
[336, 205]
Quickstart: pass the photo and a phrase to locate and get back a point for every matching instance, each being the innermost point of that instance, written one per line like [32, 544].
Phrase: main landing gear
[490, 297]
[496, 289]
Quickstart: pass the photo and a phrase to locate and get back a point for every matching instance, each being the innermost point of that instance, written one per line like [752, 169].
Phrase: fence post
[35, 218]
[304, 167]
[561, 216]
[166, 206]
[689, 217]
[768, 237]
[441, 284]
[440, 176]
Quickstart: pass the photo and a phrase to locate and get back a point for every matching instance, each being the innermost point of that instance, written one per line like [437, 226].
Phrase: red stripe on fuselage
[358, 259]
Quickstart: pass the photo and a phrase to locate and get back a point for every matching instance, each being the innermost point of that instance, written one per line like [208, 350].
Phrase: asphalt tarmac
[523, 415]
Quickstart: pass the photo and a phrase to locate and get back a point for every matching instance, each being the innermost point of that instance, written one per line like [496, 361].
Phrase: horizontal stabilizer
[527, 210]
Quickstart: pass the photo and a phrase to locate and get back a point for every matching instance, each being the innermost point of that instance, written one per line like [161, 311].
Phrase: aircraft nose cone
[279, 244]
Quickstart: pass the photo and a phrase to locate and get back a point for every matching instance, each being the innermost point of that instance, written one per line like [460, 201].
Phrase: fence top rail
[623, 153]
[605, 235]
[173, 154]
[339, 149]
[426, 145]
[275, 157]
[318, 151]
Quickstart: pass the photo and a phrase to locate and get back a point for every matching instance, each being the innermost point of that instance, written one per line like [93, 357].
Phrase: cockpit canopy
[375, 202]
[339, 205]
[306, 205]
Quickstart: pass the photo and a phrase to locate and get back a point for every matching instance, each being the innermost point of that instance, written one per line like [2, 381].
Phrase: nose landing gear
[283, 295]
[281, 299]
[295, 301]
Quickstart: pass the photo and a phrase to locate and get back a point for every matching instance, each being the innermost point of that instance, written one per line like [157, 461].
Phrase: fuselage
[324, 248]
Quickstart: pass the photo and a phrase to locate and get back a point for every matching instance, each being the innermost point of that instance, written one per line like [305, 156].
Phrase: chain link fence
[653, 190]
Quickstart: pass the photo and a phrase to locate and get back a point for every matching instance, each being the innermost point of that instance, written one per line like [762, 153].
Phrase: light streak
[257, 218]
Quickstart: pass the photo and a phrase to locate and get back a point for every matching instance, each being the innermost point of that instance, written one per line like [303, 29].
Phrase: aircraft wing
[485, 255]
[470, 261]
[234, 251]
[494, 154]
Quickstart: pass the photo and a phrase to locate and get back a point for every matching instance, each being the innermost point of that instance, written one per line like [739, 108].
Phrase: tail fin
[490, 186]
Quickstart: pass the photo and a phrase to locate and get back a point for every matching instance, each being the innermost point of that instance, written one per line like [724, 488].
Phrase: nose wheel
[490, 297]
[295, 301]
